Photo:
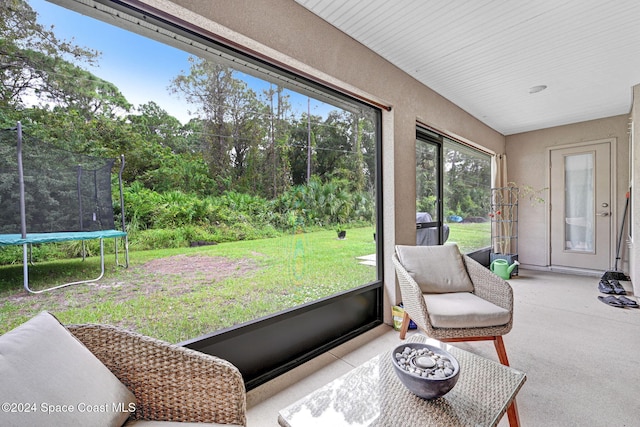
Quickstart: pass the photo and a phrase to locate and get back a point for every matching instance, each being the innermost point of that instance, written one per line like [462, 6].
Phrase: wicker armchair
[485, 285]
[170, 383]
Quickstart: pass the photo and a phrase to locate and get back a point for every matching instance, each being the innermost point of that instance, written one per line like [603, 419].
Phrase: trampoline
[49, 195]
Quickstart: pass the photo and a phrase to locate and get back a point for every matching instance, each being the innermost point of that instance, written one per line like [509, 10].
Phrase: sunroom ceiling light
[536, 89]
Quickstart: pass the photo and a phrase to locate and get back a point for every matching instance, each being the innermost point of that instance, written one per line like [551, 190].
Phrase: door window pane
[579, 202]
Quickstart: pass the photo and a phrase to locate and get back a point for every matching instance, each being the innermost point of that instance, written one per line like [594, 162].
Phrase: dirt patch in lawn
[200, 266]
[180, 274]
[170, 276]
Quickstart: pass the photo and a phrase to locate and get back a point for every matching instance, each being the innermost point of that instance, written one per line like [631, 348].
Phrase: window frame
[266, 347]
[430, 135]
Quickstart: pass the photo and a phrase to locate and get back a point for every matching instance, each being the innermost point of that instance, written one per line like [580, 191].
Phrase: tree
[207, 87]
[33, 61]
[334, 146]
[467, 183]
[298, 153]
[277, 170]
[77, 89]
[164, 129]
[233, 130]
[246, 134]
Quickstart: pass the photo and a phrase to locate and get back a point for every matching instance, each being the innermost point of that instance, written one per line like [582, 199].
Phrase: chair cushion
[42, 364]
[436, 269]
[464, 310]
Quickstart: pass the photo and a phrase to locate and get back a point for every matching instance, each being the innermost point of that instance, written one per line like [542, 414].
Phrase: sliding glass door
[453, 190]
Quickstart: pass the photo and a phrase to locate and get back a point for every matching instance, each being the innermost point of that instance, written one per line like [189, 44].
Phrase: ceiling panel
[485, 55]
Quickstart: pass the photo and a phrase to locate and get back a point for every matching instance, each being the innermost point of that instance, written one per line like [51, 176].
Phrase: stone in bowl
[427, 371]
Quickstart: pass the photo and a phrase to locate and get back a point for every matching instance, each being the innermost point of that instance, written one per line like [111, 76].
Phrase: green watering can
[502, 268]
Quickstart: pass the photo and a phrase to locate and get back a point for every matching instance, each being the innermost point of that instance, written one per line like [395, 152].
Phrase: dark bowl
[425, 382]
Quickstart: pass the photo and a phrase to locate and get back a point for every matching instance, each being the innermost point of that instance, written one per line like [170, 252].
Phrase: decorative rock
[428, 372]
[420, 361]
[425, 362]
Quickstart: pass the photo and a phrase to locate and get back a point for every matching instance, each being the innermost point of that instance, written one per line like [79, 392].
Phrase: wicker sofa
[55, 375]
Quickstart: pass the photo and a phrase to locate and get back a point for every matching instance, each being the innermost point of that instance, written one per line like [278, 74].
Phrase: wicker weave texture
[486, 285]
[372, 395]
[171, 383]
[480, 398]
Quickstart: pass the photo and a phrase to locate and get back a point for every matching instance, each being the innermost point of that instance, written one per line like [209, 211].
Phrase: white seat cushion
[464, 310]
[47, 370]
[436, 269]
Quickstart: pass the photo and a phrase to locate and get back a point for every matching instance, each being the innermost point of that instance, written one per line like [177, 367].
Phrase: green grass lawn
[470, 236]
[179, 294]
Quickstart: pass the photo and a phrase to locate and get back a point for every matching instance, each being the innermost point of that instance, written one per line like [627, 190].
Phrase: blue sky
[140, 67]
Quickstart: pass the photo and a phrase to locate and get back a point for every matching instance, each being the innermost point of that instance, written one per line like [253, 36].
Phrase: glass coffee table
[372, 395]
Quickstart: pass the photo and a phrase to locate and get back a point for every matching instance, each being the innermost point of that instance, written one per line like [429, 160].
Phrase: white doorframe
[614, 200]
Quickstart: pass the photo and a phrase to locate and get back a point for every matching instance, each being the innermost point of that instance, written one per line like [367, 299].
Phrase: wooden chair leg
[512, 410]
[512, 413]
[502, 352]
[405, 325]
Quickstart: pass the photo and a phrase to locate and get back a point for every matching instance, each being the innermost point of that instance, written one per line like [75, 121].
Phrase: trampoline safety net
[63, 191]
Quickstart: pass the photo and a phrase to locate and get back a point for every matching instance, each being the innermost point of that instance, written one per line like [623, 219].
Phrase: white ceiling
[485, 55]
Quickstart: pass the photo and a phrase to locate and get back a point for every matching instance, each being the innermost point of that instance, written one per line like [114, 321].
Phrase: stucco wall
[286, 32]
[528, 165]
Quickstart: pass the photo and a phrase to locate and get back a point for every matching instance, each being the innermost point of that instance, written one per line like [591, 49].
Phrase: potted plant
[504, 220]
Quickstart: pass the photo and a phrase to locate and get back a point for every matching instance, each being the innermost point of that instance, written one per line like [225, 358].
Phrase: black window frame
[437, 140]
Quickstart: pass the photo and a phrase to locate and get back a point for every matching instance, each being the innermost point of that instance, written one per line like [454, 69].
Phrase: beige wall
[285, 32]
[527, 165]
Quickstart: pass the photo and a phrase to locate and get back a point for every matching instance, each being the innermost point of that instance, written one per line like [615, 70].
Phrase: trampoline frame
[38, 238]
[28, 239]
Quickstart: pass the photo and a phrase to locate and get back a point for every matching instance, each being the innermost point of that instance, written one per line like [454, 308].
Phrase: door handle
[603, 214]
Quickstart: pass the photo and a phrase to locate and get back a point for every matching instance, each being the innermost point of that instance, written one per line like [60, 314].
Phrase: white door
[581, 207]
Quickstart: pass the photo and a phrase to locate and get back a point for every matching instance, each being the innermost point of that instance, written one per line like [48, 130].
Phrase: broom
[615, 274]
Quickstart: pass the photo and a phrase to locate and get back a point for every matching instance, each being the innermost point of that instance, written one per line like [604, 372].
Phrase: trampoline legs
[126, 252]
[26, 272]
[25, 267]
